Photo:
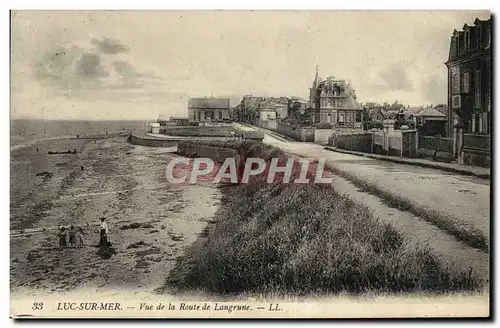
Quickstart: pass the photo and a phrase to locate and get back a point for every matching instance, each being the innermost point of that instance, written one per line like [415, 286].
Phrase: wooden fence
[436, 143]
[478, 142]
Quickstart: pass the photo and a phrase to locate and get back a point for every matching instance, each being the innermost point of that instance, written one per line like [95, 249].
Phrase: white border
[186, 4]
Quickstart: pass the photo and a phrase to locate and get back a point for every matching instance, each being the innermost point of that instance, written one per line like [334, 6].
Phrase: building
[431, 121]
[209, 109]
[179, 120]
[378, 113]
[469, 79]
[334, 101]
[249, 107]
[267, 117]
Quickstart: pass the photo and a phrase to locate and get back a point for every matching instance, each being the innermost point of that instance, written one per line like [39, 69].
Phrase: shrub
[323, 126]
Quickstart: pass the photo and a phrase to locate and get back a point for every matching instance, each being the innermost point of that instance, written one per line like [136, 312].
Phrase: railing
[476, 141]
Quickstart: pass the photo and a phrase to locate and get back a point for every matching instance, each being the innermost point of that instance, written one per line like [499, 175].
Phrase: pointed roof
[430, 112]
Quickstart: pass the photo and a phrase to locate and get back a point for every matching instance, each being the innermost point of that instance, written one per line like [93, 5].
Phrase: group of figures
[74, 238]
[71, 238]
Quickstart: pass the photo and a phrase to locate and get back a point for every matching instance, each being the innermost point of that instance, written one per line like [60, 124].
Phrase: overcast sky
[139, 64]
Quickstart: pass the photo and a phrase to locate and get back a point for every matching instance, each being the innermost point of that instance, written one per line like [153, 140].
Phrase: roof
[212, 103]
[430, 112]
[377, 109]
[412, 111]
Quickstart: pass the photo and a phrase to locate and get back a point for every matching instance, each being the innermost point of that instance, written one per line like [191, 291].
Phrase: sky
[139, 65]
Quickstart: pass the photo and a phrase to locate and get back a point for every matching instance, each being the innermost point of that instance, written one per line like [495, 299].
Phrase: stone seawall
[149, 141]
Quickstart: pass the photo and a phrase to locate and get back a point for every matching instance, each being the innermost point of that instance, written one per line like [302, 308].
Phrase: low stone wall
[355, 142]
[476, 157]
[297, 133]
[322, 135]
[148, 141]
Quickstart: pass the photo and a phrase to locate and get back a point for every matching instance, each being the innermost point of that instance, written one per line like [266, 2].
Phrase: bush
[323, 126]
[374, 124]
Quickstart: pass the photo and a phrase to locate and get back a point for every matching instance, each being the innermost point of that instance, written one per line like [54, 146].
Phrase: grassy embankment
[292, 239]
[465, 233]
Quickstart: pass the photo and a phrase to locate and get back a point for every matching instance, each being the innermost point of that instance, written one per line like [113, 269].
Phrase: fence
[296, 132]
[436, 143]
[354, 142]
[478, 142]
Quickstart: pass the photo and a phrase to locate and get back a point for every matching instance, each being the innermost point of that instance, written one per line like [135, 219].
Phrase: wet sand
[151, 222]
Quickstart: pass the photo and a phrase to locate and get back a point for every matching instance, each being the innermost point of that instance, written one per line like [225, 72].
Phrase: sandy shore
[151, 222]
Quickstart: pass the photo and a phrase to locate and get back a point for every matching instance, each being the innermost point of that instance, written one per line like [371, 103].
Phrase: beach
[151, 222]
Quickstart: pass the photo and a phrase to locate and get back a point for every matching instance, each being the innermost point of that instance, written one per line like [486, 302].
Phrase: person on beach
[104, 235]
[79, 237]
[62, 238]
[72, 236]
[105, 250]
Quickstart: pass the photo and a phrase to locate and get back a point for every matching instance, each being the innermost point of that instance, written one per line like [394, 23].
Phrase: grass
[202, 131]
[308, 239]
[463, 233]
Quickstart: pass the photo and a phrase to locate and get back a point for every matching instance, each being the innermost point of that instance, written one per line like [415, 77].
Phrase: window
[485, 123]
[455, 101]
[466, 83]
[488, 37]
[479, 37]
[220, 115]
[477, 89]
[455, 80]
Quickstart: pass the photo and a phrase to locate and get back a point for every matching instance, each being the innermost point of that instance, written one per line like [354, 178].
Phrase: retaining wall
[191, 149]
[322, 135]
[148, 141]
[297, 133]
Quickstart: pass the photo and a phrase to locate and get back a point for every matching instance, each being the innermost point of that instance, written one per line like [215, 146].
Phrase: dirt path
[151, 222]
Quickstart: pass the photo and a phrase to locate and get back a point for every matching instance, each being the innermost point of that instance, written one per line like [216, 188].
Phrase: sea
[25, 132]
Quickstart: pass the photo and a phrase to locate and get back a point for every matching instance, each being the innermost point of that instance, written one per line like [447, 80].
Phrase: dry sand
[122, 182]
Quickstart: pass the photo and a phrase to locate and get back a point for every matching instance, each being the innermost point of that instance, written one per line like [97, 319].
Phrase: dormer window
[467, 40]
[479, 36]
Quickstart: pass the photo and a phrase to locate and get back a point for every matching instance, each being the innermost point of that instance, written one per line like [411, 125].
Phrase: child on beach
[72, 239]
[62, 238]
[79, 237]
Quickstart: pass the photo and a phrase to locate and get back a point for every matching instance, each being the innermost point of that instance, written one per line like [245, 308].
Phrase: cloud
[110, 46]
[125, 69]
[434, 88]
[74, 71]
[397, 77]
[89, 66]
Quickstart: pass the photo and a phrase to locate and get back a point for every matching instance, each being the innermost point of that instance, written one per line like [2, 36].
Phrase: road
[463, 198]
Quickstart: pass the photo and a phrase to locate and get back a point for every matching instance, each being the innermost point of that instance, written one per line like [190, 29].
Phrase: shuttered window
[477, 89]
